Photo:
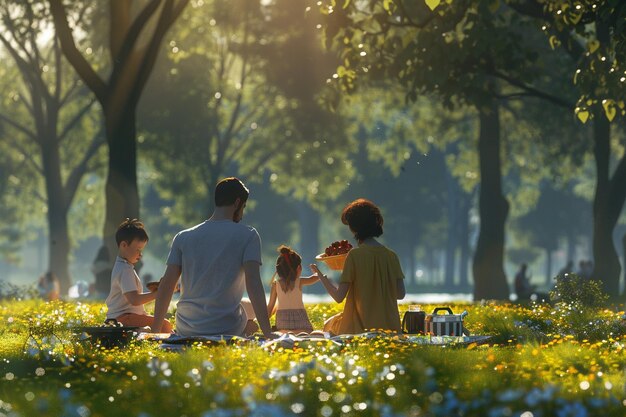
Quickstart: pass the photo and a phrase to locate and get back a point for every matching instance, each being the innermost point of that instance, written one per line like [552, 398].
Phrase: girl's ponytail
[287, 265]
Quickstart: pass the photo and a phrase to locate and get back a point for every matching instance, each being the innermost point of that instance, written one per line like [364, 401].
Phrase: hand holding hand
[316, 270]
[153, 286]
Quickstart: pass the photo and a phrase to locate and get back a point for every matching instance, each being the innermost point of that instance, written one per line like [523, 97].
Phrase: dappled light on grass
[542, 361]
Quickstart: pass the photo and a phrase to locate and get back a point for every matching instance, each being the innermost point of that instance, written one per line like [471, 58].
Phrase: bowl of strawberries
[335, 254]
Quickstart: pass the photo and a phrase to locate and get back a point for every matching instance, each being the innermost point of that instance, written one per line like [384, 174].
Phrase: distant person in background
[567, 269]
[147, 278]
[79, 290]
[590, 269]
[49, 287]
[372, 280]
[523, 289]
[585, 269]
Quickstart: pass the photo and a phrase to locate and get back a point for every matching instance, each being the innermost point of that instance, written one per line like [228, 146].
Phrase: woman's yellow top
[372, 300]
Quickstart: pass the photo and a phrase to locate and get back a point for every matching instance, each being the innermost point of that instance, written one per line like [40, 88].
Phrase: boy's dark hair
[364, 219]
[130, 230]
[228, 190]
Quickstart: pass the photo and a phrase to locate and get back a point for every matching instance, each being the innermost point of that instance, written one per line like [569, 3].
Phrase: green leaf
[432, 4]
[582, 114]
[494, 6]
[387, 5]
[609, 109]
[554, 42]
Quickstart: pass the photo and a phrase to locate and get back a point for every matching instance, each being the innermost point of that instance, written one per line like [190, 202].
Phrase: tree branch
[28, 105]
[532, 8]
[59, 69]
[242, 80]
[74, 121]
[617, 190]
[69, 92]
[265, 158]
[533, 91]
[169, 14]
[528, 8]
[79, 170]
[19, 127]
[412, 23]
[73, 55]
[28, 156]
[22, 64]
[36, 61]
[17, 35]
[216, 113]
[121, 49]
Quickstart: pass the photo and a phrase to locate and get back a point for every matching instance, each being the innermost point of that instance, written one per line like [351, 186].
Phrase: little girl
[287, 289]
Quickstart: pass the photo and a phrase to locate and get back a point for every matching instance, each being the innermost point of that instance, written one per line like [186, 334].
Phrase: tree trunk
[548, 266]
[624, 253]
[464, 236]
[309, 221]
[409, 275]
[452, 232]
[59, 247]
[571, 247]
[122, 195]
[120, 95]
[429, 269]
[606, 261]
[58, 237]
[489, 277]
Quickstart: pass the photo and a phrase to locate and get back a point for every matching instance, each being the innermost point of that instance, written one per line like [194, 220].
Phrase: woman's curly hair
[364, 219]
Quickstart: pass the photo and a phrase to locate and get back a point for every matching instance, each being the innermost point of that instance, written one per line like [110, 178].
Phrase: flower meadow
[542, 360]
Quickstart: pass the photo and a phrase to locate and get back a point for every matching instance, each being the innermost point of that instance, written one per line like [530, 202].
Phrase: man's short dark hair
[130, 230]
[364, 219]
[228, 190]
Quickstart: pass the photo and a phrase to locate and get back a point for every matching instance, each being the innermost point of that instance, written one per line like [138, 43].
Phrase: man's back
[211, 256]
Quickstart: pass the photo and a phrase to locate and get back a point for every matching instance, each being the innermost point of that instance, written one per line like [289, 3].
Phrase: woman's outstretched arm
[338, 293]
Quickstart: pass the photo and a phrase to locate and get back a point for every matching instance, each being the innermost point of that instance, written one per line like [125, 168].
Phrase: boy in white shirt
[126, 298]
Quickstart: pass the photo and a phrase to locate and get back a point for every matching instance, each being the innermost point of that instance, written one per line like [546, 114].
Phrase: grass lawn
[542, 361]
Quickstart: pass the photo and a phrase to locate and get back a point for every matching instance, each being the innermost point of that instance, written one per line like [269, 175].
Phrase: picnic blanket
[302, 340]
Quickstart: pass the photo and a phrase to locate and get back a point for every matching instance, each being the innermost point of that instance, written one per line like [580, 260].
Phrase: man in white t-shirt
[218, 259]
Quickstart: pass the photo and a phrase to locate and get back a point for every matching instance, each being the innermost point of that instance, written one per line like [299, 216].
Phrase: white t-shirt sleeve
[252, 251]
[175, 256]
[128, 280]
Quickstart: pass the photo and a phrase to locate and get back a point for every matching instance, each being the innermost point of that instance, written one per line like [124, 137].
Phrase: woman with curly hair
[372, 280]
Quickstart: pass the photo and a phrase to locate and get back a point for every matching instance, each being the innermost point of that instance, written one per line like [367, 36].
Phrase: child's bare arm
[136, 299]
[309, 280]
